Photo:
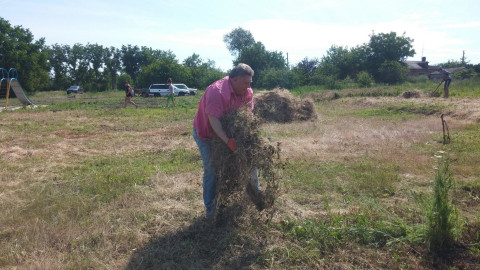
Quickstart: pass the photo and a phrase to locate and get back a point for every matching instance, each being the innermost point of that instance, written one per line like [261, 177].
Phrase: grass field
[87, 184]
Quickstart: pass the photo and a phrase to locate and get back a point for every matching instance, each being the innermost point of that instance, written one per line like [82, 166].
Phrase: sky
[441, 30]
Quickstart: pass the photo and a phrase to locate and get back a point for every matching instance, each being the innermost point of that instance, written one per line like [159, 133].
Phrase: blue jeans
[209, 177]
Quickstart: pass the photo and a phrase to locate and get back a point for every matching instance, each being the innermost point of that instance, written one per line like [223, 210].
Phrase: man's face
[240, 84]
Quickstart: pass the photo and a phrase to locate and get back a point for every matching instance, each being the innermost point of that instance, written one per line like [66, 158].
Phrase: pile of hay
[234, 169]
[435, 94]
[280, 106]
[411, 94]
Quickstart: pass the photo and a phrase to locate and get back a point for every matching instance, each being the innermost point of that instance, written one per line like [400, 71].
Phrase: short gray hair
[241, 70]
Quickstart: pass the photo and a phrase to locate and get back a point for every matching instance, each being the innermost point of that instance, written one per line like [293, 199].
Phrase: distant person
[220, 98]
[171, 92]
[447, 79]
[128, 95]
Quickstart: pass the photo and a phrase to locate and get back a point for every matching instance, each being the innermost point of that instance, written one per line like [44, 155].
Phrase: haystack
[234, 169]
[411, 94]
[280, 106]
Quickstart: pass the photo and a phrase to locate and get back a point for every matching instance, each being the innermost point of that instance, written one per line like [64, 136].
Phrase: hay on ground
[234, 169]
[435, 94]
[280, 106]
[411, 94]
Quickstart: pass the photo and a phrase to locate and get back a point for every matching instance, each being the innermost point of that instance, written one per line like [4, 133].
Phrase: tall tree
[112, 61]
[58, 63]
[260, 60]
[132, 58]
[238, 39]
[19, 50]
[388, 47]
[304, 70]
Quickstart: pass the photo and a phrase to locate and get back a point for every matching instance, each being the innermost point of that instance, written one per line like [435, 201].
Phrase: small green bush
[442, 216]
[364, 79]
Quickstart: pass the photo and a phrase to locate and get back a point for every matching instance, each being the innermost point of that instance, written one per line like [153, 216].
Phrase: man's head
[241, 78]
[440, 69]
[169, 80]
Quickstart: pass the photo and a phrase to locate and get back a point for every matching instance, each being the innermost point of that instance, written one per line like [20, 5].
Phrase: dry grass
[159, 223]
[280, 106]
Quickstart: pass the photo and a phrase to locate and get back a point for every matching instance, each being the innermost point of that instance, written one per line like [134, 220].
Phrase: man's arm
[217, 128]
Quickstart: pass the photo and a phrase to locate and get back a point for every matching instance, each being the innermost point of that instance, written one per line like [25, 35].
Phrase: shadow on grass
[205, 244]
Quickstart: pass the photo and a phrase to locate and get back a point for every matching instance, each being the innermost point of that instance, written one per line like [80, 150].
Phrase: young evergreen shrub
[364, 79]
[442, 216]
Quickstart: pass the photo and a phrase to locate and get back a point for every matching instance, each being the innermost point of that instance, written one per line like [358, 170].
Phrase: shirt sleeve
[214, 105]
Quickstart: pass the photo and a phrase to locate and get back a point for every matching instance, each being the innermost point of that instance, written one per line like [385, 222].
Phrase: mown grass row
[458, 88]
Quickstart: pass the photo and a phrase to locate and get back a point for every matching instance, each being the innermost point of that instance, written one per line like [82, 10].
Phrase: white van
[162, 90]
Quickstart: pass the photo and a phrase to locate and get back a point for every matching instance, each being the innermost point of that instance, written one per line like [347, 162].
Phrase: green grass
[367, 206]
[458, 88]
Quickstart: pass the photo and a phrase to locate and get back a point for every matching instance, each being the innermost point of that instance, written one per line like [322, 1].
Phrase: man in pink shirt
[220, 98]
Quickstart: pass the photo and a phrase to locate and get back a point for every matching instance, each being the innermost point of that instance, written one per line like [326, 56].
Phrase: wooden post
[446, 136]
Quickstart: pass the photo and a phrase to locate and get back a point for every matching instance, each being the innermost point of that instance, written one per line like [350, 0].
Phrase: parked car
[75, 89]
[192, 91]
[162, 90]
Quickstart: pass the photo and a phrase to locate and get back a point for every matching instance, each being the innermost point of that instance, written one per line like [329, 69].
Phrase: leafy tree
[308, 66]
[451, 64]
[111, 58]
[465, 74]
[387, 47]
[160, 70]
[393, 72]
[131, 59]
[58, 63]
[476, 68]
[259, 59]
[19, 50]
[338, 62]
[203, 73]
[303, 71]
[238, 39]
[273, 78]
[124, 77]
[95, 55]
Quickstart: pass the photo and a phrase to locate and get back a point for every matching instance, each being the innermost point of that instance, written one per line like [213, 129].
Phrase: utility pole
[463, 58]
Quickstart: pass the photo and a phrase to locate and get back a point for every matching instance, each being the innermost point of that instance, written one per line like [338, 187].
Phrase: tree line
[99, 68]
[95, 67]
[381, 60]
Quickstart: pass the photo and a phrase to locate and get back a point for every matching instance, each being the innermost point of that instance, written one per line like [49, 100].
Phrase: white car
[162, 90]
[192, 91]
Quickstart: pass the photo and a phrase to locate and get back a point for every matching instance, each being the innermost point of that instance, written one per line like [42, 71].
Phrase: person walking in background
[220, 98]
[128, 95]
[171, 93]
[447, 79]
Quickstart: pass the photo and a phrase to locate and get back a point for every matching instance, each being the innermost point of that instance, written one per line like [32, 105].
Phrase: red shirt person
[220, 98]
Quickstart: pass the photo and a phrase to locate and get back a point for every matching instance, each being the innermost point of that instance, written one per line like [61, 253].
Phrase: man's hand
[231, 144]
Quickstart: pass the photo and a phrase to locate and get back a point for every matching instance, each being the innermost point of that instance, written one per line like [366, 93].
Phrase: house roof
[414, 65]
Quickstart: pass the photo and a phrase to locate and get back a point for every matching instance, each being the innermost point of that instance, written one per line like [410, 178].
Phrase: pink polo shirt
[218, 100]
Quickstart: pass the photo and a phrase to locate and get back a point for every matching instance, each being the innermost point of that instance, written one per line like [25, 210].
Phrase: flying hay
[280, 106]
[234, 169]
